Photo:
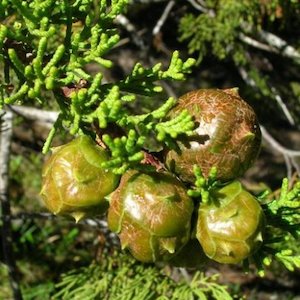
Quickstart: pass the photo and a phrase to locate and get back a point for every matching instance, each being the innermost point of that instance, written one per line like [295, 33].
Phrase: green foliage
[38, 292]
[282, 223]
[248, 35]
[83, 99]
[46, 47]
[120, 277]
[5, 290]
[217, 30]
[283, 228]
[202, 186]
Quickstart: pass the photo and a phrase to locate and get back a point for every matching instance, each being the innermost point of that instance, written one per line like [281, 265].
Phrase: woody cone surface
[227, 135]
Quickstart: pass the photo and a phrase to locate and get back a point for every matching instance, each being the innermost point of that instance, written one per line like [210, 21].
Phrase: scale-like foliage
[120, 277]
[46, 47]
[83, 33]
[283, 228]
[258, 39]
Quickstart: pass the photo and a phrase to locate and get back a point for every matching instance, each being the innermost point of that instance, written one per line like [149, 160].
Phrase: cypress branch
[120, 277]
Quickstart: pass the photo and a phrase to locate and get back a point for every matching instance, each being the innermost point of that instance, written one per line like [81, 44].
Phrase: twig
[288, 154]
[163, 18]
[200, 5]
[185, 274]
[95, 222]
[244, 74]
[256, 44]
[7, 238]
[134, 34]
[32, 113]
[100, 224]
[169, 90]
[274, 44]
[124, 21]
[282, 105]
[284, 48]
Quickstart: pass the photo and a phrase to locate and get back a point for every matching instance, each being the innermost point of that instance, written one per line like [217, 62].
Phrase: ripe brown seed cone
[227, 135]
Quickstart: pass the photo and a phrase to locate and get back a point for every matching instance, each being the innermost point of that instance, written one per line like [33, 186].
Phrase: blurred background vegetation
[252, 45]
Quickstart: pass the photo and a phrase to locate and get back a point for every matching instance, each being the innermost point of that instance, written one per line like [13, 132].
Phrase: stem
[7, 238]
[68, 29]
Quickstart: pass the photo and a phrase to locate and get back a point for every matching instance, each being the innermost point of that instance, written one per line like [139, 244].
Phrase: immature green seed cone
[227, 135]
[152, 213]
[230, 227]
[74, 182]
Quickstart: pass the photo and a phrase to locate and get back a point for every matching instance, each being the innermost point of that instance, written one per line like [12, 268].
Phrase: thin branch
[296, 165]
[256, 44]
[134, 34]
[35, 114]
[95, 222]
[282, 105]
[168, 88]
[185, 275]
[199, 7]
[163, 18]
[276, 145]
[244, 74]
[274, 44]
[284, 48]
[100, 224]
[288, 154]
[7, 237]
[289, 167]
[124, 21]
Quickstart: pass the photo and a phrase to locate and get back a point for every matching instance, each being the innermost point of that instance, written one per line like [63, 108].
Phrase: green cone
[151, 212]
[74, 182]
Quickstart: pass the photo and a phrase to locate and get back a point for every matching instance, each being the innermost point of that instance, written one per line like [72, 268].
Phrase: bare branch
[199, 7]
[282, 105]
[276, 145]
[100, 224]
[7, 238]
[169, 90]
[256, 44]
[288, 154]
[284, 48]
[163, 18]
[244, 74]
[124, 21]
[134, 34]
[274, 44]
[35, 114]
